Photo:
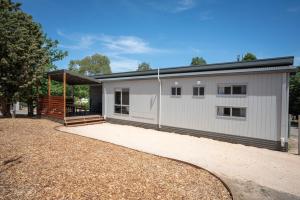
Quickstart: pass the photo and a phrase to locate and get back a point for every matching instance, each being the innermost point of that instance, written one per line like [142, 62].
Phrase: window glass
[220, 111]
[201, 91]
[118, 97]
[117, 109]
[239, 112]
[223, 111]
[178, 91]
[195, 91]
[224, 90]
[231, 111]
[227, 90]
[220, 90]
[226, 111]
[122, 101]
[239, 89]
[198, 91]
[125, 110]
[125, 96]
[173, 91]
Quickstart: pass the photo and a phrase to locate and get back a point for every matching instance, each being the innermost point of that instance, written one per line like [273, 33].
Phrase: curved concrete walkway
[251, 173]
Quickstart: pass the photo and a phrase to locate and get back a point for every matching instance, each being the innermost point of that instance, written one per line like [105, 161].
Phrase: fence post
[298, 134]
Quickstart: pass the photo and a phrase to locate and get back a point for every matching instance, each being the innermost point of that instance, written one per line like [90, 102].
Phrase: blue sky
[169, 33]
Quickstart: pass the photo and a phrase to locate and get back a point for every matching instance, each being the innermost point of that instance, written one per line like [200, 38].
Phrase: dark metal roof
[73, 78]
[270, 62]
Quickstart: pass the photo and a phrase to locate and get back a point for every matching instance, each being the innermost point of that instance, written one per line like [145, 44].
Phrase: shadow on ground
[248, 190]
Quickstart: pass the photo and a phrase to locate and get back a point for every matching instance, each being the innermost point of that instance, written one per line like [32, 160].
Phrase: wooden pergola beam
[49, 85]
[49, 92]
[64, 92]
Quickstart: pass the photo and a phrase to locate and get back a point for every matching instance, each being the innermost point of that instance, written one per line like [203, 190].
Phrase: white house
[238, 102]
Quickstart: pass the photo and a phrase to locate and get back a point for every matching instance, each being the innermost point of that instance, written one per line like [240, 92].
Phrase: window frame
[176, 92]
[231, 85]
[231, 116]
[121, 105]
[198, 87]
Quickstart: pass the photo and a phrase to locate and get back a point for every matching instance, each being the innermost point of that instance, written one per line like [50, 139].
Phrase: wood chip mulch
[38, 162]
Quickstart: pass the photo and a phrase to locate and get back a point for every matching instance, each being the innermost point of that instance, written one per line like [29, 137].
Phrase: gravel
[38, 162]
[278, 171]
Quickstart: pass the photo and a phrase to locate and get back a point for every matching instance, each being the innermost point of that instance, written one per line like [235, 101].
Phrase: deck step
[83, 120]
[83, 124]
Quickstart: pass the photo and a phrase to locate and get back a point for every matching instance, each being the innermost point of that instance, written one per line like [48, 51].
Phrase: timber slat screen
[54, 108]
[61, 107]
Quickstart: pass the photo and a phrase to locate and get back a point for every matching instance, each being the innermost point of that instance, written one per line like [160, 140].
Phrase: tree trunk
[30, 107]
[5, 107]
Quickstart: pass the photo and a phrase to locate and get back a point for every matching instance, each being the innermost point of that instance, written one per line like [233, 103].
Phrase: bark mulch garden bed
[38, 162]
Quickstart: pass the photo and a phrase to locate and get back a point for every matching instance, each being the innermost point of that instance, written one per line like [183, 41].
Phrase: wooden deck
[83, 120]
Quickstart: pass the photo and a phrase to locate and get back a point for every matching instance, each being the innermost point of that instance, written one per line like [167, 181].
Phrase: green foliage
[198, 61]
[91, 65]
[249, 57]
[25, 52]
[294, 98]
[144, 66]
[83, 105]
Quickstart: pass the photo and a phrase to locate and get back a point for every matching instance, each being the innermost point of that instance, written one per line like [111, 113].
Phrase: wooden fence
[53, 108]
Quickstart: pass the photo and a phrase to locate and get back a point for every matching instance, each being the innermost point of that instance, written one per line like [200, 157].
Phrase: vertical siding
[263, 103]
[143, 98]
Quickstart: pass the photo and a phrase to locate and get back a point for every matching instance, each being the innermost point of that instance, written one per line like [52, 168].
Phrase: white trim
[231, 117]
[284, 107]
[159, 108]
[176, 95]
[118, 89]
[198, 86]
[231, 90]
[105, 108]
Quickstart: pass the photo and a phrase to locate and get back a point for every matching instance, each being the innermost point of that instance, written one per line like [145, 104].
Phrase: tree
[80, 91]
[294, 99]
[25, 52]
[91, 65]
[249, 57]
[198, 61]
[144, 66]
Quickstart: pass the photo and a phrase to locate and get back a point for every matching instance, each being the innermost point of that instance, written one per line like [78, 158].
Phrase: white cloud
[172, 6]
[112, 44]
[184, 5]
[84, 42]
[205, 16]
[117, 48]
[77, 42]
[294, 9]
[123, 64]
[126, 44]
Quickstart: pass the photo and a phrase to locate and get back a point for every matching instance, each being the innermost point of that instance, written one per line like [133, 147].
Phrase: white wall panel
[263, 103]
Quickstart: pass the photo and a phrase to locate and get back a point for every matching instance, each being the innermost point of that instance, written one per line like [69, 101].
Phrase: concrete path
[251, 173]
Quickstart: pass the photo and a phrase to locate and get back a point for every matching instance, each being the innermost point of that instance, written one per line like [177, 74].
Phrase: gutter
[288, 69]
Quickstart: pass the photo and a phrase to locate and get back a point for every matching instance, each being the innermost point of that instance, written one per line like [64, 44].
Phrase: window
[198, 91]
[122, 101]
[238, 112]
[239, 89]
[176, 91]
[231, 111]
[232, 89]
